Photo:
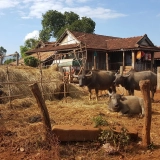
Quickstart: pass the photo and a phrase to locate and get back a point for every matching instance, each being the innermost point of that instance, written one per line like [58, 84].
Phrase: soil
[21, 130]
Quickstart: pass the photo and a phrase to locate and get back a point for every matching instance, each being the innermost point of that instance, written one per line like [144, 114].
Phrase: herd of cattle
[108, 80]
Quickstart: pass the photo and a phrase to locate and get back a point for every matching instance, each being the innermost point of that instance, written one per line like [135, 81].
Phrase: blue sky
[21, 19]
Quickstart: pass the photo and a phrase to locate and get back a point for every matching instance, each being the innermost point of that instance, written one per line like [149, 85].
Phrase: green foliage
[54, 24]
[2, 51]
[119, 140]
[9, 61]
[28, 45]
[23, 49]
[99, 121]
[31, 61]
[151, 146]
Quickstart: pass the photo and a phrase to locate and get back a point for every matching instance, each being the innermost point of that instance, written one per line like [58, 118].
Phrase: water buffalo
[131, 80]
[98, 80]
[126, 105]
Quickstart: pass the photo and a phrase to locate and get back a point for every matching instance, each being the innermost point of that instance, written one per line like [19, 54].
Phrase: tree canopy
[3, 52]
[28, 45]
[54, 24]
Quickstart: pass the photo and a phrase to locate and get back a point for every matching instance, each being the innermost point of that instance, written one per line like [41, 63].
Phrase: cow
[126, 105]
[130, 81]
[98, 80]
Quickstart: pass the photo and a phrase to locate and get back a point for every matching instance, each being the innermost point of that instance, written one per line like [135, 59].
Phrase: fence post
[145, 89]
[158, 78]
[9, 90]
[44, 112]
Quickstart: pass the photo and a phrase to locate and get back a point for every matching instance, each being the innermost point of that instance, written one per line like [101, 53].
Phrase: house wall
[97, 60]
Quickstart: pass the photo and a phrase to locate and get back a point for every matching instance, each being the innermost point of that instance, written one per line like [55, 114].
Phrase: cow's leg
[153, 90]
[96, 94]
[89, 94]
[114, 88]
[132, 92]
[141, 102]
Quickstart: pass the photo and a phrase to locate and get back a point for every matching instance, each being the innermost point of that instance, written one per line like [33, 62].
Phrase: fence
[14, 82]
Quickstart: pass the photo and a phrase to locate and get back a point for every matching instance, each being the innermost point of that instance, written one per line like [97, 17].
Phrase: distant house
[100, 52]
[157, 59]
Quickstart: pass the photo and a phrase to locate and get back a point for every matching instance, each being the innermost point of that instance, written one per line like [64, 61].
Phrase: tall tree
[28, 44]
[2, 54]
[54, 24]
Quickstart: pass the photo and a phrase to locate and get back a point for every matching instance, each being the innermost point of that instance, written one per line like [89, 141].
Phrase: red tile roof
[123, 43]
[93, 41]
[157, 55]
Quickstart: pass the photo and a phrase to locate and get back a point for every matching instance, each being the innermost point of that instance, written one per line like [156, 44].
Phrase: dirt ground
[21, 130]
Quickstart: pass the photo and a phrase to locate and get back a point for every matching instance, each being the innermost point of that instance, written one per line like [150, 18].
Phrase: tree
[28, 45]
[54, 24]
[2, 54]
[31, 61]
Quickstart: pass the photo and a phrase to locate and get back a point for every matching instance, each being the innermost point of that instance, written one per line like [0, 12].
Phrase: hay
[24, 76]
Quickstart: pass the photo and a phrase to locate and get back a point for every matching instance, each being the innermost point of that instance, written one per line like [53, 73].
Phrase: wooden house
[103, 52]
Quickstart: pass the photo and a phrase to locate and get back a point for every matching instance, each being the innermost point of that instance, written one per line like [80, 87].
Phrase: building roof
[43, 56]
[99, 42]
[123, 43]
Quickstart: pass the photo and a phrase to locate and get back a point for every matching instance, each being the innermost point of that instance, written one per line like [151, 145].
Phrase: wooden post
[17, 58]
[145, 89]
[9, 89]
[133, 59]
[44, 112]
[123, 59]
[107, 65]
[158, 78]
[152, 61]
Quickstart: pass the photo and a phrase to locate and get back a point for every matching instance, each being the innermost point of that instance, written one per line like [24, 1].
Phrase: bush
[9, 61]
[31, 61]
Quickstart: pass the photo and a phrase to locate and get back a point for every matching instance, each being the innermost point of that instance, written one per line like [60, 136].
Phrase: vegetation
[2, 53]
[9, 61]
[109, 135]
[28, 45]
[54, 24]
[99, 121]
[31, 61]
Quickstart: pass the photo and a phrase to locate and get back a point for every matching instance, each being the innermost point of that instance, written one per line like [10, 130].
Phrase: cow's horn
[126, 75]
[88, 75]
[110, 94]
[75, 76]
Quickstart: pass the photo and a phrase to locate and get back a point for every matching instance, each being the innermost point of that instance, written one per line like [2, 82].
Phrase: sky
[21, 19]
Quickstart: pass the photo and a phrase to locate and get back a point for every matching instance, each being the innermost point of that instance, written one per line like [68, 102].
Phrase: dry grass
[21, 138]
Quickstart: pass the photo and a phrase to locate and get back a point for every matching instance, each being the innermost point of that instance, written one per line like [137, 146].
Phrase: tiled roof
[123, 43]
[43, 56]
[47, 46]
[93, 41]
[157, 55]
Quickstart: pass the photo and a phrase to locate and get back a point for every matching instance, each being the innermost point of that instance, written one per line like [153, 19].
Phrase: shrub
[31, 61]
[9, 61]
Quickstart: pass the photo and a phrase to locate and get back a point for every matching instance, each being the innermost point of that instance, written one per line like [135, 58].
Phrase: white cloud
[35, 8]
[34, 34]
[8, 3]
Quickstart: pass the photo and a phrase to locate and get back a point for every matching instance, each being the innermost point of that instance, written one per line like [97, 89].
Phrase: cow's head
[120, 79]
[114, 101]
[85, 79]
